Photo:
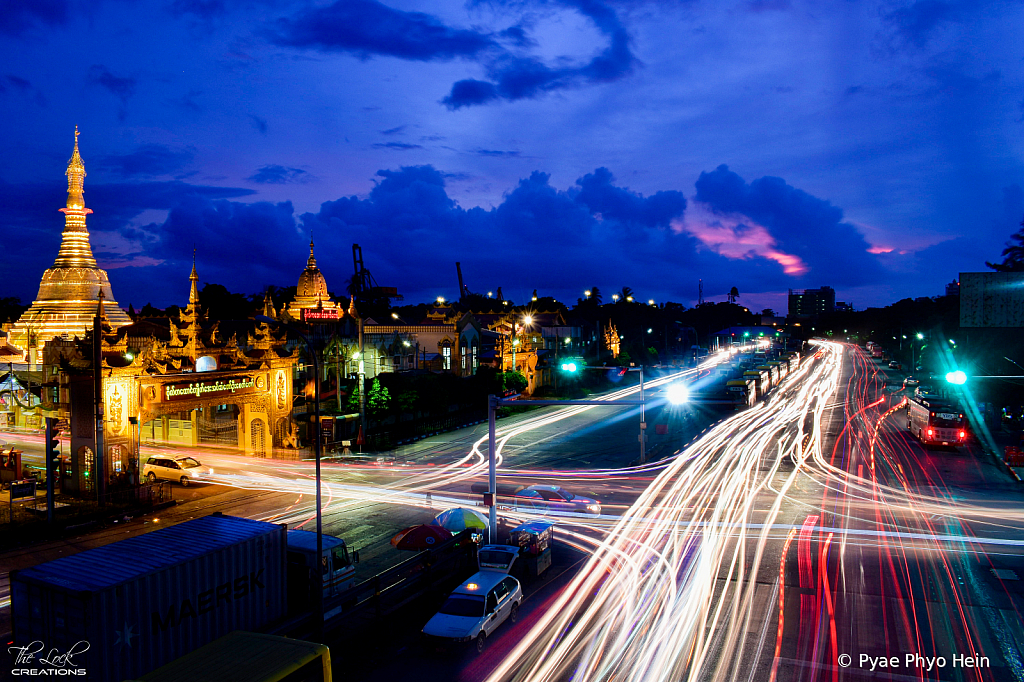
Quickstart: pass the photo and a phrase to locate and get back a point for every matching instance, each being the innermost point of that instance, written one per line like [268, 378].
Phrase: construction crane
[365, 288]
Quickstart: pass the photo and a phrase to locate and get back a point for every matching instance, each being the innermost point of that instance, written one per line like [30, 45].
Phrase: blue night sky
[874, 146]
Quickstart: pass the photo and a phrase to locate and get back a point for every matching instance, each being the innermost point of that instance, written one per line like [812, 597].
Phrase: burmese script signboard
[210, 388]
[317, 314]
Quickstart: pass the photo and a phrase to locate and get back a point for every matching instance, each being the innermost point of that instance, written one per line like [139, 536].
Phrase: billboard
[992, 299]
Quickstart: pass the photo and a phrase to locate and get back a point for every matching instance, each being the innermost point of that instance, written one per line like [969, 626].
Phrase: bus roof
[241, 657]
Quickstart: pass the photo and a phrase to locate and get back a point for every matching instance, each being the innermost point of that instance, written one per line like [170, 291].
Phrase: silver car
[182, 469]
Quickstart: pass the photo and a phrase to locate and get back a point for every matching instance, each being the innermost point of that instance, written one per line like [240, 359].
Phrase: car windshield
[188, 463]
[495, 557]
[463, 605]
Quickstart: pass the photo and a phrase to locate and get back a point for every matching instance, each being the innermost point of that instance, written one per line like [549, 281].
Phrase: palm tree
[734, 293]
[1013, 254]
[626, 293]
[595, 295]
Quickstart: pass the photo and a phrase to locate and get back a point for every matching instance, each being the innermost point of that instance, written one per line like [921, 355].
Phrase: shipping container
[144, 601]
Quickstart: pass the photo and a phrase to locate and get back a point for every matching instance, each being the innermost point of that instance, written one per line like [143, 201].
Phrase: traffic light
[52, 440]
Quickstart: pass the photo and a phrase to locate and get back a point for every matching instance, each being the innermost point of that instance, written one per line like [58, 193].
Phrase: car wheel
[184, 481]
[514, 613]
[481, 642]
[151, 477]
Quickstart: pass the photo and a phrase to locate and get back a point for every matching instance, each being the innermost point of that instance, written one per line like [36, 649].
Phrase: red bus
[936, 422]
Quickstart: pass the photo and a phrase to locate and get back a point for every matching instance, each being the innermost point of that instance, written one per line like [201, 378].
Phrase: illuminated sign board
[200, 389]
[315, 314]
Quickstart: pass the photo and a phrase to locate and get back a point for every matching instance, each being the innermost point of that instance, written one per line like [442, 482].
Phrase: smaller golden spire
[193, 294]
[311, 263]
[76, 178]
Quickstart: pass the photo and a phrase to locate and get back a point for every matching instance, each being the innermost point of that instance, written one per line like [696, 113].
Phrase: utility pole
[97, 365]
[643, 424]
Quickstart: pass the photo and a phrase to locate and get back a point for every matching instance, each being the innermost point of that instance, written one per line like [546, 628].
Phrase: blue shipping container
[144, 601]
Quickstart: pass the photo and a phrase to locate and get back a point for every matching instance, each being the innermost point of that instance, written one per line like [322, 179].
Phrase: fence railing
[145, 495]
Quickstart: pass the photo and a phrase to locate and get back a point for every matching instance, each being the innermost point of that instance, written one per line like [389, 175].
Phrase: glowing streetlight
[629, 298]
[490, 293]
[920, 336]
[677, 394]
[394, 316]
[650, 301]
[527, 319]
[615, 297]
[587, 293]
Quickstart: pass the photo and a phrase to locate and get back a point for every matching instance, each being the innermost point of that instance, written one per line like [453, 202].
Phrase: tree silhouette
[595, 295]
[1013, 254]
[734, 293]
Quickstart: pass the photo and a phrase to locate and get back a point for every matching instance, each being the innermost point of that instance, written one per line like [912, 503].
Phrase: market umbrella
[458, 519]
[419, 537]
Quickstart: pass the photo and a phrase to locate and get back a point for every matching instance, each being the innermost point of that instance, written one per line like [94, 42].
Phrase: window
[492, 602]
[446, 353]
[510, 585]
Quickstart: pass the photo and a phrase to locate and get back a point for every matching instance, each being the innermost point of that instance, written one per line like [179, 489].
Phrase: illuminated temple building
[312, 300]
[69, 291]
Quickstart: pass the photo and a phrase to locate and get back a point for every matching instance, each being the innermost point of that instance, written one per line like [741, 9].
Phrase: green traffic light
[956, 377]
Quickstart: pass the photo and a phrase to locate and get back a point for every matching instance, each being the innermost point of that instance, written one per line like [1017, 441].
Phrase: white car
[475, 609]
[183, 469]
[478, 606]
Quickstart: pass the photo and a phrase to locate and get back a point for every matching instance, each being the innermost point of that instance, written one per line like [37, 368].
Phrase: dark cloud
[259, 123]
[598, 194]
[14, 82]
[17, 16]
[515, 77]
[802, 225]
[366, 28]
[916, 22]
[204, 9]
[496, 152]
[279, 175]
[123, 87]
[149, 159]
[394, 131]
[544, 236]
[396, 145]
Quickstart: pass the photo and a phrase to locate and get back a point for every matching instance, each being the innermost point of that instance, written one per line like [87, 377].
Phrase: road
[807, 538]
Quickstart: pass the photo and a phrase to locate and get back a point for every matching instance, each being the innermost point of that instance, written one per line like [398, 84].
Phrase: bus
[249, 656]
[936, 422]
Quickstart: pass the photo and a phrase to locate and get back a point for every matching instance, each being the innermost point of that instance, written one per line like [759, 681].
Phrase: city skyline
[556, 147]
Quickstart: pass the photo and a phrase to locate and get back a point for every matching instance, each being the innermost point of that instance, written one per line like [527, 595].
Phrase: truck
[134, 605]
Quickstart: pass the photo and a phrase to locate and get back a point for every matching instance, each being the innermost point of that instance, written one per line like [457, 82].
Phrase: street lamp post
[318, 448]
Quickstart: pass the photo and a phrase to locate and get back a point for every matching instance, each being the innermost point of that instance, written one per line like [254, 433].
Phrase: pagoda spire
[75, 251]
[311, 263]
[193, 293]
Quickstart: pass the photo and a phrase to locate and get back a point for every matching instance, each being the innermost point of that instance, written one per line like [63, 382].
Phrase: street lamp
[318, 446]
[615, 297]
[587, 293]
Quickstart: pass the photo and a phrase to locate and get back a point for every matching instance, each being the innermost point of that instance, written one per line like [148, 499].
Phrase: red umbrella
[419, 537]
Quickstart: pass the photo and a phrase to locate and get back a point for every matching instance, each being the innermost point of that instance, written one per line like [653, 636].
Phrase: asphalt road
[875, 546]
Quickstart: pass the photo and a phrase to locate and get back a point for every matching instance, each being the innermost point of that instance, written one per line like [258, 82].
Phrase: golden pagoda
[69, 291]
[312, 301]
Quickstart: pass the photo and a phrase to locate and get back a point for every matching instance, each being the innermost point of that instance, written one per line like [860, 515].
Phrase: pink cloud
[723, 235]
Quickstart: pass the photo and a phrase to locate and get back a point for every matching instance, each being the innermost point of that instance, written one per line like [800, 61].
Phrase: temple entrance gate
[190, 408]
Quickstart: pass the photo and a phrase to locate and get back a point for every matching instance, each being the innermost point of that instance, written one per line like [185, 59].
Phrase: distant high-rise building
[811, 302]
[953, 288]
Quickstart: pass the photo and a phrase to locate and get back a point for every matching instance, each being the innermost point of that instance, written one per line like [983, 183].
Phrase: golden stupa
[69, 291]
[311, 294]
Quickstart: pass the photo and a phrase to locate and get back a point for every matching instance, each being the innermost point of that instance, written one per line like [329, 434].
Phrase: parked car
[895, 365]
[475, 609]
[183, 469]
[553, 498]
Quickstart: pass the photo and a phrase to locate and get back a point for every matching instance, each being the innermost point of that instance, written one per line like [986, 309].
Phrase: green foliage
[513, 381]
[1013, 254]
[378, 399]
[407, 401]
